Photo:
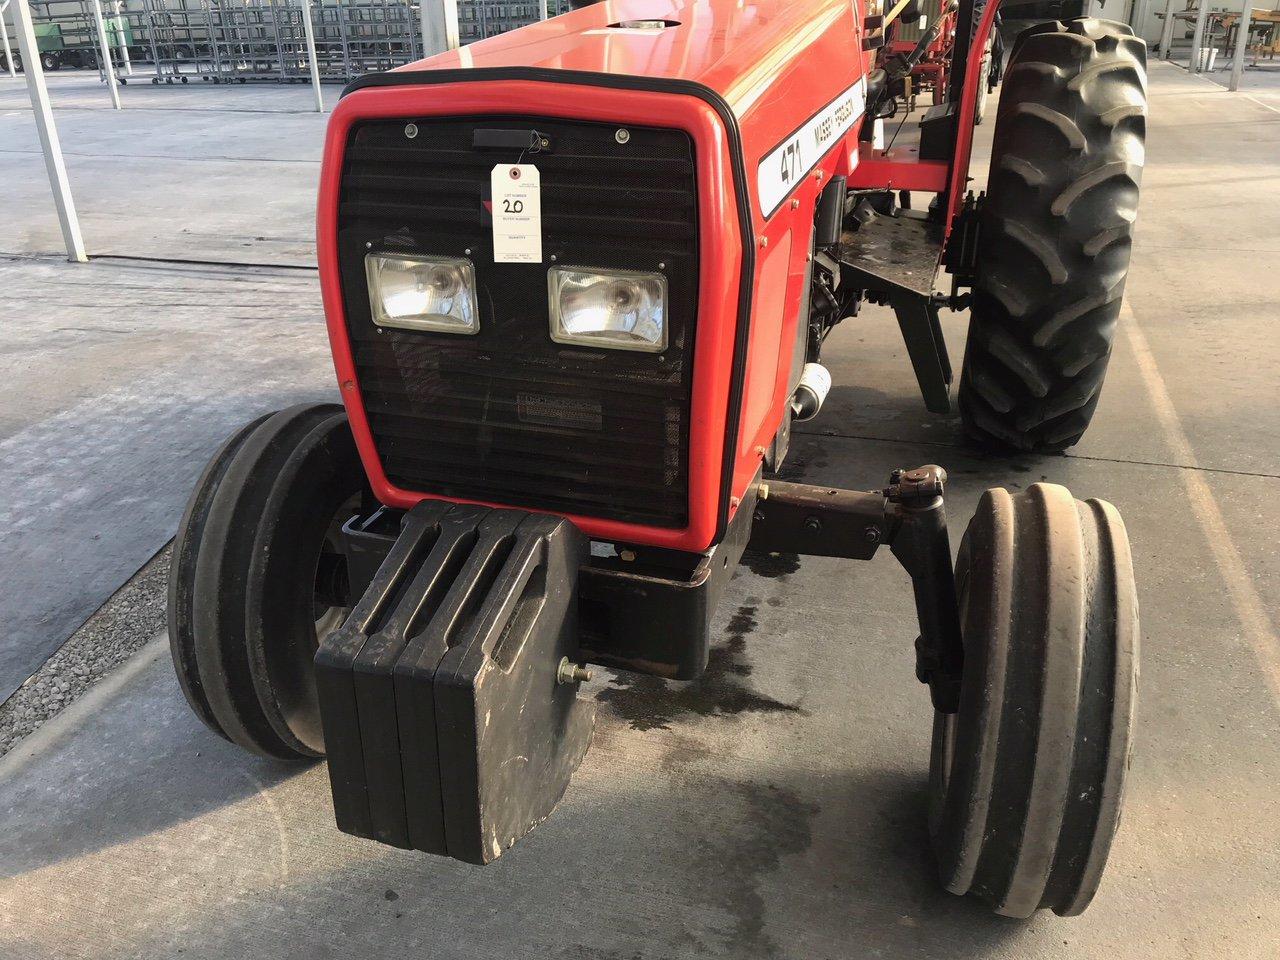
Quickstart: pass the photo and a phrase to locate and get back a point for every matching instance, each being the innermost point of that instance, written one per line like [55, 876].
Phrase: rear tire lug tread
[1058, 121]
[1095, 102]
[1085, 183]
[1038, 247]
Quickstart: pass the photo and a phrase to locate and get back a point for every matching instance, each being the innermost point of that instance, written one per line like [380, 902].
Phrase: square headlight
[422, 293]
[618, 309]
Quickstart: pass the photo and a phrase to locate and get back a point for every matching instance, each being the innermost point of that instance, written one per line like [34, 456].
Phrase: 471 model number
[782, 169]
[791, 162]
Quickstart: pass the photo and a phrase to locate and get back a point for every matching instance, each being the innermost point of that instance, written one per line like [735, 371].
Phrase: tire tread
[220, 575]
[1023, 812]
[1056, 232]
[186, 544]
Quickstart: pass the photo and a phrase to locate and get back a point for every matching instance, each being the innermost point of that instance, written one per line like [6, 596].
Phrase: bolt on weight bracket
[909, 517]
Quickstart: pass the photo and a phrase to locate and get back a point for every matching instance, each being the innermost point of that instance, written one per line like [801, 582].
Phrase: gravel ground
[133, 616]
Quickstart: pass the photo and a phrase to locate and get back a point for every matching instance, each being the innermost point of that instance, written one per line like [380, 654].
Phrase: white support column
[1166, 32]
[311, 54]
[104, 52]
[542, 10]
[48, 133]
[4, 38]
[1197, 39]
[121, 44]
[1137, 15]
[1242, 44]
[439, 26]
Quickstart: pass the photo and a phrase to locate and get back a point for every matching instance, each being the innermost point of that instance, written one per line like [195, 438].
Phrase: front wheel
[258, 577]
[1027, 778]
[1054, 234]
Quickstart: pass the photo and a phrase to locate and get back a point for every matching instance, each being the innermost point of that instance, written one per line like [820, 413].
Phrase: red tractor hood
[738, 50]
[774, 63]
[772, 94]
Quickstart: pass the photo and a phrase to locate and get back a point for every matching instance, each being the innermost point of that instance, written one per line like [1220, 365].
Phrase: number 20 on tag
[516, 189]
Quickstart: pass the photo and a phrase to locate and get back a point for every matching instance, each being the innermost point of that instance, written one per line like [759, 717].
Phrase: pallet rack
[230, 41]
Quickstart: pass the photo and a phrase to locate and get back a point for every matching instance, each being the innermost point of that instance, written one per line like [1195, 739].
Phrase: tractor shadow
[860, 453]
[861, 410]
[724, 689]
[140, 767]
[669, 843]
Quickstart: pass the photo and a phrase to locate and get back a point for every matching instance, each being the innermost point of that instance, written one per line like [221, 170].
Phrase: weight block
[445, 727]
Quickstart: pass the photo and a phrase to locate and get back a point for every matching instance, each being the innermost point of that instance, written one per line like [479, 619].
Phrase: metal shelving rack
[177, 38]
[230, 41]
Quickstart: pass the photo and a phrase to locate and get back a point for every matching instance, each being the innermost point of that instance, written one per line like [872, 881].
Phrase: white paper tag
[516, 189]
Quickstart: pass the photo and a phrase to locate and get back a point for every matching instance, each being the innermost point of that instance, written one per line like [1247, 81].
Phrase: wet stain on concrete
[780, 826]
[729, 869]
[805, 455]
[651, 703]
[775, 566]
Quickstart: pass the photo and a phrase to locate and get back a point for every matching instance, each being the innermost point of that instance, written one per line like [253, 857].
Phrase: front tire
[1055, 234]
[1027, 778]
[257, 577]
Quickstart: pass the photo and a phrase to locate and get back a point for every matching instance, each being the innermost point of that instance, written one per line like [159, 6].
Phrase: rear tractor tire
[1026, 780]
[258, 577]
[1054, 234]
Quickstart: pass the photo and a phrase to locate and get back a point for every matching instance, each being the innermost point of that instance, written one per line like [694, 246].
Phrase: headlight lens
[422, 293]
[620, 309]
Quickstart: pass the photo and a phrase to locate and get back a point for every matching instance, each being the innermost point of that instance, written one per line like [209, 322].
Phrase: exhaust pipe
[811, 392]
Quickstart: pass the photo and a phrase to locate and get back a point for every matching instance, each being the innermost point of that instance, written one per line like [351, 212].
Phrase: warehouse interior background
[158, 288]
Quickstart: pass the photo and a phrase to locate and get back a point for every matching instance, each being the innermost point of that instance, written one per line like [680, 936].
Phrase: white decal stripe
[787, 164]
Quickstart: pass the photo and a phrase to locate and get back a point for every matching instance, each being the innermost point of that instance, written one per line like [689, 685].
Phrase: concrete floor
[125, 378]
[215, 173]
[1259, 77]
[118, 379]
[788, 823]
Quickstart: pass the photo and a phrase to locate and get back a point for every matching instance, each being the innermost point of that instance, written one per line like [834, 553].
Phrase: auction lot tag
[516, 189]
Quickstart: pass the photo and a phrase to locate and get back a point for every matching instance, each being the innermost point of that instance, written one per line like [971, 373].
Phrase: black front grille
[508, 416]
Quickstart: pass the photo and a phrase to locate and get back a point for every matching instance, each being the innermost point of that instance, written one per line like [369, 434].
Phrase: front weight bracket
[908, 517]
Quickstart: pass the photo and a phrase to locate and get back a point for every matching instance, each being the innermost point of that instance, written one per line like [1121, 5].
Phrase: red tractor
[926, 32]
[923, 35]
[577, 281]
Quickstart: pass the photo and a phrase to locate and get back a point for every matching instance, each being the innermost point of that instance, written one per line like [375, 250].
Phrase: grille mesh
[509, 416]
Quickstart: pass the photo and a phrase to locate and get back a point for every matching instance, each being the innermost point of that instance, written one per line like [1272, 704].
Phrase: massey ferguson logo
[837, 121]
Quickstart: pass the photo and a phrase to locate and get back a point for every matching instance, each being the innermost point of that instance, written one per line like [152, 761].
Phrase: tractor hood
[768, 98]
[739, 50]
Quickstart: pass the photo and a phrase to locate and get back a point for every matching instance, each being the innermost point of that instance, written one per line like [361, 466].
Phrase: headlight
[621, 309]
[422, 293]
